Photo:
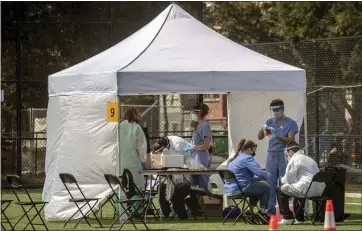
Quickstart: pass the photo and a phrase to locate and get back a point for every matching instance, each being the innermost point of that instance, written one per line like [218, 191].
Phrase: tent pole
[306, 131]
[118, 164]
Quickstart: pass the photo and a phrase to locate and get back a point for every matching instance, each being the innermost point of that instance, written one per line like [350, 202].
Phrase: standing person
[200, 143]
[248, 172]
[283, 131]
[133, 147]
[298, 176]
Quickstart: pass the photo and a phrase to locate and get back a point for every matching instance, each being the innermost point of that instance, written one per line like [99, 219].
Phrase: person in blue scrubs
[283, 130]
[248, 174]
[200, 143]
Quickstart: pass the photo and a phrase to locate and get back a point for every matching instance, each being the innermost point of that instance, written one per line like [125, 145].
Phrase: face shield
[277, 112]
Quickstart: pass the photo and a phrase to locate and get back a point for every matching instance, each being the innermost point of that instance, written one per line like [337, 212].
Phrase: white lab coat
[298, 175]
[176, 144]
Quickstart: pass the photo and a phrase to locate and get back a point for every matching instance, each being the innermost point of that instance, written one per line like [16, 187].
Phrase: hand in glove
[188, 148]
[265, 126]
[144, 166]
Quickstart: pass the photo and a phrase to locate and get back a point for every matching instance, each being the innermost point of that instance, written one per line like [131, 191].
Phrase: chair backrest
[228, 175]
[326, 177]
[69, 179]
[16, 184]
[113, 180]
[128, 184]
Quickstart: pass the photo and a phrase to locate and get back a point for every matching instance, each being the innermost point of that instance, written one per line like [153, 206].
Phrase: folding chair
[69, 179]
[15, 183]
[127, 175]
[154, 192]
[321, 177]
[228, 175]
[115, 181]
[109, 199]
[4, 205]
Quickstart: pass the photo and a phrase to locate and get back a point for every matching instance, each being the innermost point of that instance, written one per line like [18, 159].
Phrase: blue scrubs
[201, 156]
[276, 162]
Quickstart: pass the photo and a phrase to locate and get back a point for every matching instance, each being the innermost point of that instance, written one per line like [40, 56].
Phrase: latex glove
[188, 148]
[144, 166]
[265, 126]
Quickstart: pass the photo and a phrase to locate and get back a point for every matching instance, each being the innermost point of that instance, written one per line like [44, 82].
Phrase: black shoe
[250, 217]
[262, 218]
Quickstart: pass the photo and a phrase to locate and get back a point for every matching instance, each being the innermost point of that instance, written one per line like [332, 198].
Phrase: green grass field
[353, 207]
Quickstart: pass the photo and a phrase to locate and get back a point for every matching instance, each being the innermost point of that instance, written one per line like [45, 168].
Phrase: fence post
[18, 95]
[317, 102]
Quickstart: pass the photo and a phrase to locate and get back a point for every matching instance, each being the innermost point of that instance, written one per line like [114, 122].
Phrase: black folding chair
[328, 178]
[248, 219]
[17, 186]
[69, 179]
[116, 182]
[109, 199]
[4, 205]
[127, 175]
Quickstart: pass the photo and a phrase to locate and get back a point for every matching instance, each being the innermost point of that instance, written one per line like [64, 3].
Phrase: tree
[327, 62]
[242, 22]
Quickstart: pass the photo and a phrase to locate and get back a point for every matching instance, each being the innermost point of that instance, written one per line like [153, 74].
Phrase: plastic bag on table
[194, 165]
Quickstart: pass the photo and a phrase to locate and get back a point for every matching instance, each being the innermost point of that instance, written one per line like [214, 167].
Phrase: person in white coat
[174, 143]
[298, 176]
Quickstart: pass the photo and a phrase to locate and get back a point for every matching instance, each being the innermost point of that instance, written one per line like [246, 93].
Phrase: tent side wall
[248, 111]
[80, 141]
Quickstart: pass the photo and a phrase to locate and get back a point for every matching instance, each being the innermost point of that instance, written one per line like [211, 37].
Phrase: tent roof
[177, 53]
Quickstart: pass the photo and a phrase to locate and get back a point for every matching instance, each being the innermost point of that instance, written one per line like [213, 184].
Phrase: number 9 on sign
[112, 112]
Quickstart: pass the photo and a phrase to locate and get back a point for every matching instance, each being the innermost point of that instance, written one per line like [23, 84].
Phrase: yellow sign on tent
[112, 111]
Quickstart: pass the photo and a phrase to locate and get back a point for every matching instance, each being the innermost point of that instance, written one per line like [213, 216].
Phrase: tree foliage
[57, 35]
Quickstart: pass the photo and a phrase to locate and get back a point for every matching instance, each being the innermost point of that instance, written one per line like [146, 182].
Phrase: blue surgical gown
[201, 156]
[276, 162]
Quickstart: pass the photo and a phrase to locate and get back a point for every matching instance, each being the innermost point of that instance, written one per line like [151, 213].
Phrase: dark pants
[283, 201]
[258, 191]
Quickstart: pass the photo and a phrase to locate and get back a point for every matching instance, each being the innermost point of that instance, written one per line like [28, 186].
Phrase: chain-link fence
[334, 99]
[39, 39]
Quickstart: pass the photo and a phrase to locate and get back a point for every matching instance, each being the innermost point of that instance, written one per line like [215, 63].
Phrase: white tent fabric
[80, 142]
[177, 53]
[174, 53]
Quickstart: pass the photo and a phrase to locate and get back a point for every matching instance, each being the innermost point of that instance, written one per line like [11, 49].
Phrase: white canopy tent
[174, 53]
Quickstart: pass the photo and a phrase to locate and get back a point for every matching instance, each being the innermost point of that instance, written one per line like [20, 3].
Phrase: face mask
[194, 124]
[194, 117]
[278, 115]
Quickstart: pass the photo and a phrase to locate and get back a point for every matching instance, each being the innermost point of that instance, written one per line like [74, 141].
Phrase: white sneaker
[287, 222]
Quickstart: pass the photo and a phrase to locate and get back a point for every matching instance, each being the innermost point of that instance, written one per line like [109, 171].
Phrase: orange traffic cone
[273, 224]
[329, 221]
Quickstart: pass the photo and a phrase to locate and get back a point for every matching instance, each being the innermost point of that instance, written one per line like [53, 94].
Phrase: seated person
[174, 143]
[247, 172]
[179, 194]
[298, 176]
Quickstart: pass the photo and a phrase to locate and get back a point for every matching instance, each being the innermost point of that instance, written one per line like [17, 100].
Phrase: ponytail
[240, 145]
[243, 146]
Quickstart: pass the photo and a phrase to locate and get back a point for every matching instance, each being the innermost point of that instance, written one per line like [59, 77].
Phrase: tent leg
[118, 98]
[306, 134]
